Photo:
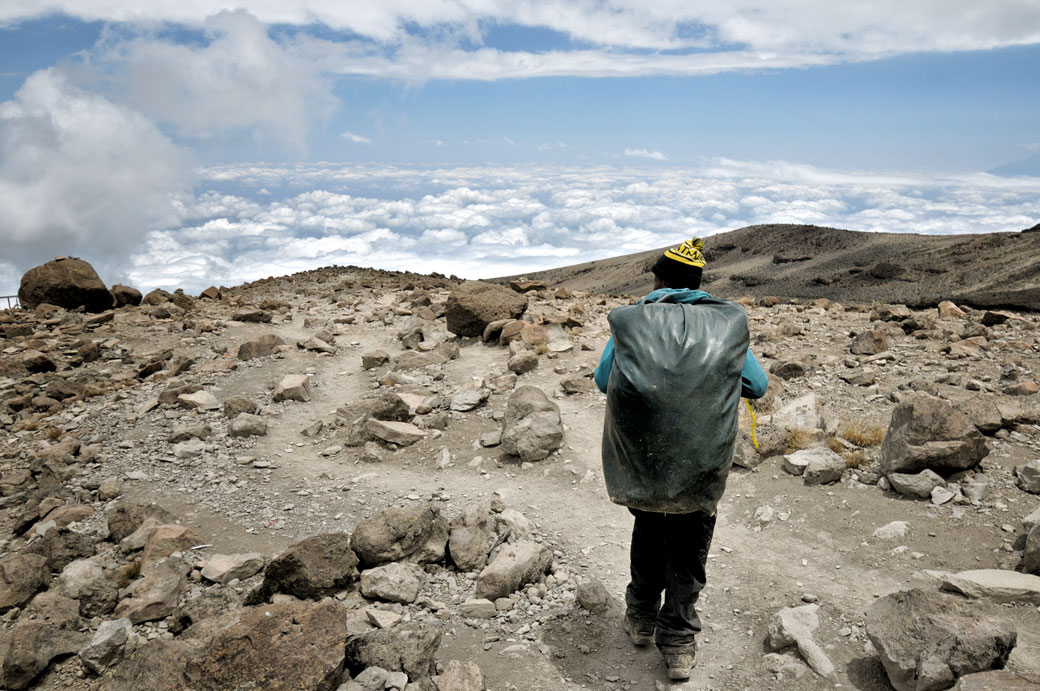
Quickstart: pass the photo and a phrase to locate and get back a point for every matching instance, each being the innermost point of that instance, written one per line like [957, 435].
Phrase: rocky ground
[202, 492]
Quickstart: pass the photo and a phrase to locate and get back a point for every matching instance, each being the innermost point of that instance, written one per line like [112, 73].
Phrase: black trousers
[669, 553]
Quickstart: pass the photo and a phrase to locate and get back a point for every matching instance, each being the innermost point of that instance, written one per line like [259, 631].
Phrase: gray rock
[917, 485]
[186, 433]
[929, 433]
[126, 518]
[516, 565]
[940, 495]
[262, 347]
[199, 400]
[224, 568]
[983, 413]
[317, 345]
[1028, 476]
[247, 425]
[374, 358]
[461, 676]
[532, 428]
[795, 626]
[801, 413]
[381, 618]
[823, 466]
[106, 647]
[156, 596]
[312, 568]
[84, 580]
[1031, 553]
[21, 577]
[402, 433]
[975, 491]
[408, 648]
[189, 449]
[48, 629]
[64, 282]
[478, 608]
[473, 305]
[523, 362]
[239, 404]
[399, 532]
[859, 377]
[393, 582]
[471, 537]
[293, 387]
[593, 596]
[994, 584]
[795, 463]
[927, 639]
[288, 645]
[469, 399]
[893, 530]
[869, 342]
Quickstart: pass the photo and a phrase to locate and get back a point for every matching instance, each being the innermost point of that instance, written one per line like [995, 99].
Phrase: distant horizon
[249, 221]
[558, 128]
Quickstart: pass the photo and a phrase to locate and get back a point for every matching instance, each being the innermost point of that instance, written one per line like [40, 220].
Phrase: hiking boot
[641, 634]
[680, 665]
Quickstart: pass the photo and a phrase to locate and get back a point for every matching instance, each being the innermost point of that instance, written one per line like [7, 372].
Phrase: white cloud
[425, 39]
[646, 153]
[81, 175]
[356, 138]
[239, 79]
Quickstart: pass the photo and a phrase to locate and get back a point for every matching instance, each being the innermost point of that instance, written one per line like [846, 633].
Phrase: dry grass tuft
[798, 438]
[854, 459]
[863, 434]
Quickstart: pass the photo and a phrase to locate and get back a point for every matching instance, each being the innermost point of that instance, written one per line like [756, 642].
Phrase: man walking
[674, 370]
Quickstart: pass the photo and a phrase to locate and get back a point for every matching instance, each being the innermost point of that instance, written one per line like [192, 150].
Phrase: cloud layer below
[252, 221]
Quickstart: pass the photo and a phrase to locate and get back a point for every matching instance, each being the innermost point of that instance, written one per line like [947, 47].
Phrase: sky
[199, 143]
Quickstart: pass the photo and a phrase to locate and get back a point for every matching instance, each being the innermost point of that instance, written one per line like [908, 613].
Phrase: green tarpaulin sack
[672, 403]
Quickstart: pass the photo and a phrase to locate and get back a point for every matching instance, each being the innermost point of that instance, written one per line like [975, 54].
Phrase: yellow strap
[753, 422]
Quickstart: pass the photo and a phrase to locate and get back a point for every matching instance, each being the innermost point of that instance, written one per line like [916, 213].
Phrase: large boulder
[532, 428]
[21, 577]
[927, 640]
[65, 282]
[125, 518]
[48, 629]
[157, 665]
[928, 433]
[417, 532]
[289, 645]
[475, 304]
[408, 648]
[156, 596]
[312, 568]
[126, 296]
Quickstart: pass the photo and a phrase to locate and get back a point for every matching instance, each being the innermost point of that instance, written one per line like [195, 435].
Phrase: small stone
[293, 387]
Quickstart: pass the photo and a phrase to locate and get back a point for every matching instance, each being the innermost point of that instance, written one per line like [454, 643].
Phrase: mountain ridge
[791, 261]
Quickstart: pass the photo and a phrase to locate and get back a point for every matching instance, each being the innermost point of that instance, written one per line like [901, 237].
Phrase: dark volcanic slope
[797, 261]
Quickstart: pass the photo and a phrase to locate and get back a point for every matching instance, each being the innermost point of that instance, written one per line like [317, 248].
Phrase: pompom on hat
[682, 266]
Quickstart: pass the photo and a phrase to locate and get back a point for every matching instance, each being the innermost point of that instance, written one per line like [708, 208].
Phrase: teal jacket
[753, 378]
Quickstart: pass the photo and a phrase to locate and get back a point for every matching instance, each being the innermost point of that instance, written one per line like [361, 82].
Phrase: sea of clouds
[246, 222]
